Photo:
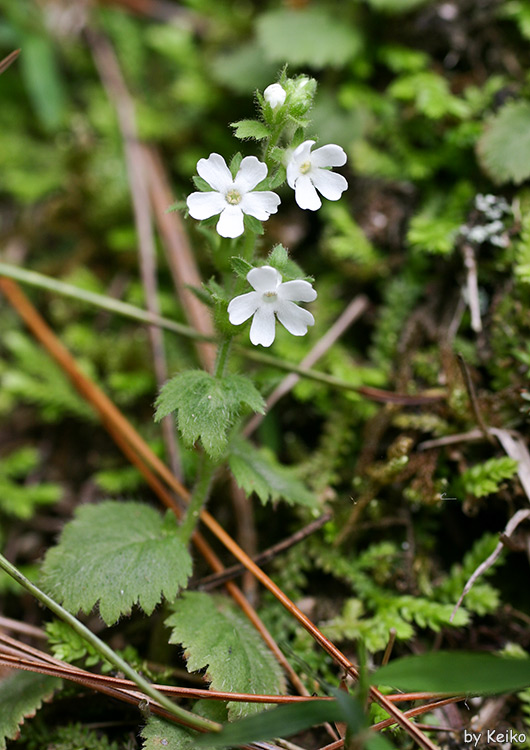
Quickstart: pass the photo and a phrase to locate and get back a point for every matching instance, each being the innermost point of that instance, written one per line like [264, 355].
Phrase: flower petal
[305, 194]
[330, 184]
[230, 222]
[260, 204]
[204, 205]
[294, 318]
[242, 307]
[215, 172]
[264, 279]
[263, 328]
[297, 291]
[251, 171]
[328, 156]
[300, 155]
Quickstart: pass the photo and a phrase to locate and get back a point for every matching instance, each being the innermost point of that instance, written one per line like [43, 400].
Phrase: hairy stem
[185, 717]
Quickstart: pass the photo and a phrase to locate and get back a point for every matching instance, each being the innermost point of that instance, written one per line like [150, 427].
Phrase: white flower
[272, 297]
[307, 171]
[232, 198]
[275, 95]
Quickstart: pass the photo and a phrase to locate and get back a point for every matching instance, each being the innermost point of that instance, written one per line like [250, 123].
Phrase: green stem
[198, 499]
[222, 355]
[185, 717]
[136, 313]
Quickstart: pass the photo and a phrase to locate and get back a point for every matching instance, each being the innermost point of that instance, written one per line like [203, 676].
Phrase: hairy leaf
[217, 636]
[315, 38]
[158, 734]
[21, 695]
[117, 554]
[206, 406]
[250, 129]
[258, 471]
[504, 147]
[455, 672]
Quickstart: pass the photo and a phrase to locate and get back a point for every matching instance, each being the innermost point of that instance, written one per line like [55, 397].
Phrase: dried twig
[512, 524]
[210, 582]
[472, 286]
[118, 94]
[353, 311]
[473, 398]
[9, 60]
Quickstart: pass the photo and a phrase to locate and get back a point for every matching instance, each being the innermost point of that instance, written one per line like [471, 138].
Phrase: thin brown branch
[209, 582]
[117, 92]
[472, 286]
[180, 257]
[352, 312]
[473, 398]
[9, 60]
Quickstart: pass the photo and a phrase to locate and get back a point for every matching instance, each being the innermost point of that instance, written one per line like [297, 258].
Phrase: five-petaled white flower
[232, 197]
[307, 171]
[275, 95]
[272, 297]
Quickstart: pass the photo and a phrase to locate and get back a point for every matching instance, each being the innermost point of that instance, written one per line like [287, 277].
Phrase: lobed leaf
[207, 406]
[257, 470]
[250, 129]
[215, 635]
[117, 554]
[21, 695]
[504, 147]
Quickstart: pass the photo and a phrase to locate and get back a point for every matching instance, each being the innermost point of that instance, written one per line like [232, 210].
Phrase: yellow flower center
[269, 296]
[305, 167]
[233, 197]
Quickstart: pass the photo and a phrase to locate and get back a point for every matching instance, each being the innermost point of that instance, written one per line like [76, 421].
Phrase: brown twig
[117, 92]
[9, 60]
[353, 311]
[212, 581]
[472, 286]
[473, 398]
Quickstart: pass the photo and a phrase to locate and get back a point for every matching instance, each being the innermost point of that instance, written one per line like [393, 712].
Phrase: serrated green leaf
[455, 672]
[250, 129]
[158, 734]
[215, 635]
[504, 147]
[240, 266]
[312, 37]
[207, 406]
[257, 470]
[21, 695]
[117, 554]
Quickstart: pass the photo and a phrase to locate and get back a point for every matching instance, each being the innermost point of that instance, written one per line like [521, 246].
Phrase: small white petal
[215, 172]
[297, 291]
[264, 279]
[204, 205]
[263, 328]
[305, 194]
[329, 156]
[275, 95]
[300, 155]
[294, 318]
[303, 151]
[242, 307]
[251, 172]
[260, 204]
[230, 222]
[330, 184]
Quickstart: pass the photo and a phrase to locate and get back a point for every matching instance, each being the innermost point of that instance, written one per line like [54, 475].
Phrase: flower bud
[275, 95]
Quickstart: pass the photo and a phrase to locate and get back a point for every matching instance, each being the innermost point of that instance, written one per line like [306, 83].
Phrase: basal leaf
[207, 407]
[504, 147]
[257, 470]
[21, 695]
[314, 37]
[455, 672]
[217, 636]
[117, 554]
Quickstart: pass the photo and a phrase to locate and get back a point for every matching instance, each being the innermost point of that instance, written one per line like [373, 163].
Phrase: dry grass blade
[9, 60]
